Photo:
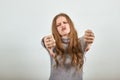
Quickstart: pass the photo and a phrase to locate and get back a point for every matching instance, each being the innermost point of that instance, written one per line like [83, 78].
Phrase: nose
[62, 25]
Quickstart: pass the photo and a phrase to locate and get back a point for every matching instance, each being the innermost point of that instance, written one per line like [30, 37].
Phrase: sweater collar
[65, 40]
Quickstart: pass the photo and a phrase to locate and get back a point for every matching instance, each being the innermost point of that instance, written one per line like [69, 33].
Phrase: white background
[23, 23]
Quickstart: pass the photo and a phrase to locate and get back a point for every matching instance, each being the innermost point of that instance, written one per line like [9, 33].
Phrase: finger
[88, 41]
[49, 39]
[88, 30]
[51, 53]
[89, 38]
[50, 44]
[87, 48]
[46, 39]
[89, 34]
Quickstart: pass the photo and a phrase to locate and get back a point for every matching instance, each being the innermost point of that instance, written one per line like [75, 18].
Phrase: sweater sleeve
[42, 42]
[83, 44]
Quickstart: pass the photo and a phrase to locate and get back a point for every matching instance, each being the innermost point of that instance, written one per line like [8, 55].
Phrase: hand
[50, 44]
[88, 38]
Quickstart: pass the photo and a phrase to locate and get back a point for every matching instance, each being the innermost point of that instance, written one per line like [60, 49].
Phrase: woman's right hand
[49, 43]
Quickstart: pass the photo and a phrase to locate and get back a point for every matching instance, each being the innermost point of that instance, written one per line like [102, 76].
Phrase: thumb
[87, 47]
[51, 52]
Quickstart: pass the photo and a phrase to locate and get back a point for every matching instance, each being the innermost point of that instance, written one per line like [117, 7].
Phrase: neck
[65, 36]
[65, 39]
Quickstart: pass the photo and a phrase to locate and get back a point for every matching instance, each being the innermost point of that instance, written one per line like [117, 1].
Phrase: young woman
[66, 49]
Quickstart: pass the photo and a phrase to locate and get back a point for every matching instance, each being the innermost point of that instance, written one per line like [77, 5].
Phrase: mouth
[63, 29]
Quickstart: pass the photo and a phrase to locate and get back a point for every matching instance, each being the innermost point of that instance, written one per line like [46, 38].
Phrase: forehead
[60, 19]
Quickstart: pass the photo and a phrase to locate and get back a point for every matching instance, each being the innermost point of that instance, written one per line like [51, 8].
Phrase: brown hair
[74, 47]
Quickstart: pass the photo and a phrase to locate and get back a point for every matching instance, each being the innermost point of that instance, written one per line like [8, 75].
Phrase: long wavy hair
[74, 46]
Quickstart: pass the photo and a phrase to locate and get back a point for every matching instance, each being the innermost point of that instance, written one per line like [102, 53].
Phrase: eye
[58, 25]
[65, 22]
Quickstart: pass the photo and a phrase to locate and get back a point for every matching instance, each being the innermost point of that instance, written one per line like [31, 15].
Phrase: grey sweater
[68, 72]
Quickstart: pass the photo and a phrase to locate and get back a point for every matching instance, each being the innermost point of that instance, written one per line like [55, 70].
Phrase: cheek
[59, 30]
[68, 29]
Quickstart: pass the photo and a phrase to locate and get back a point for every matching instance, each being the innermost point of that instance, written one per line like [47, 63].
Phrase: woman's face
[63, 27]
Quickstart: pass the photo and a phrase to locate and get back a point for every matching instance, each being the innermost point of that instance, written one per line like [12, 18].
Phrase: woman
[66, 49]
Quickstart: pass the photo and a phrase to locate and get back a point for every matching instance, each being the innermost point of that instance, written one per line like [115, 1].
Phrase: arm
[89, 39]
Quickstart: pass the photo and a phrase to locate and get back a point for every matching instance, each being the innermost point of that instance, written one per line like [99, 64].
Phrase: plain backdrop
[23, 23]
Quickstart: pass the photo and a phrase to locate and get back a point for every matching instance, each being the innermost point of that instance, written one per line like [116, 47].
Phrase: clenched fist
[88, 38]
[49, 43]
